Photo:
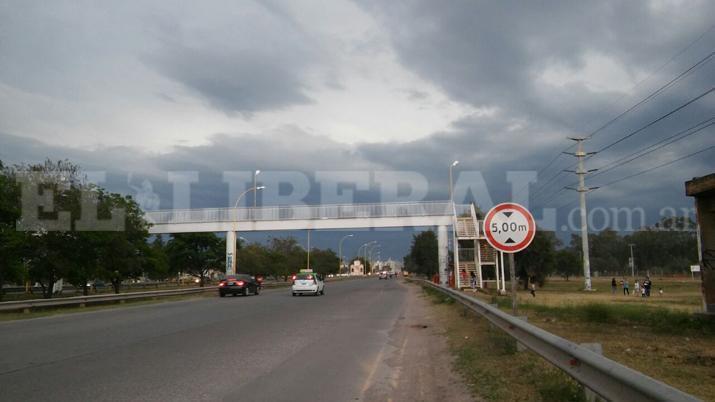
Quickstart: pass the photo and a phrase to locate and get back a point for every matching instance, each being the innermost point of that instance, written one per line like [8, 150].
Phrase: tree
[423, 257]
[254, 259]
[195, 254]
[537, 260]
[10, 264]
[286, 256]
[567, 263]
[49, 253]
[123, 254]
[157, 263]
[324, 261]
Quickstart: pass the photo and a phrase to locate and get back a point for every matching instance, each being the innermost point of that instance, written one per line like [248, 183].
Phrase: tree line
[668, 247]
[38, 253]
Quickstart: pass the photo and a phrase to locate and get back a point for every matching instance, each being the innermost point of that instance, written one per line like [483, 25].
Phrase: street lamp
[369, 253]
[451, 186]
[240, 196]
[255, 195]
[231, 234]
[340, 252]
[361, 247]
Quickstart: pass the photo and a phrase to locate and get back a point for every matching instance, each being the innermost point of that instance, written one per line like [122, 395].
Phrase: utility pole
[632, 261]
[581, 172]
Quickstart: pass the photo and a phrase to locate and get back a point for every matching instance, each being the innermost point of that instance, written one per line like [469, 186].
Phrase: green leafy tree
[324, 261]
[157, 263]
[567, 263]
[423, 257]
[10, 239]
[286, 256]
[50, 254]
[123, 254]
[195, 254]
[537, 261]
[254, 259]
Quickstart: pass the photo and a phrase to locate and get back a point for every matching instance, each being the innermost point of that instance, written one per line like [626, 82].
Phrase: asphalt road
[272, 347]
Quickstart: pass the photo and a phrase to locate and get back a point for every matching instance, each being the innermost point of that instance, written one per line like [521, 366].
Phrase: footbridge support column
[230, 252]
[442, 254]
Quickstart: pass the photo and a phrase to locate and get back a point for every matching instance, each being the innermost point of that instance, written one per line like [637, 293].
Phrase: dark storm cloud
[488, 55]
[235, 81]
[249, 58]
[492, 53]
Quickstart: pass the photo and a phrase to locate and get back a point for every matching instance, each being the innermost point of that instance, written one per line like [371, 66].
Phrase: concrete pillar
[230, 252]
[442, 253]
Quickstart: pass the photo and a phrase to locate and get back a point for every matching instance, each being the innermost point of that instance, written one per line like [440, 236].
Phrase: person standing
[647, 285]
[532, 289]
[473, 280]
[614, 286]
[626, 291]
[636, 287]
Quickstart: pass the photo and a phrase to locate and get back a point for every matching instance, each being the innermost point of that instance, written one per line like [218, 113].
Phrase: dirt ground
[417, 365]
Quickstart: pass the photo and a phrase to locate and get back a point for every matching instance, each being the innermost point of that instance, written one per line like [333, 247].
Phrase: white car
[308, 283]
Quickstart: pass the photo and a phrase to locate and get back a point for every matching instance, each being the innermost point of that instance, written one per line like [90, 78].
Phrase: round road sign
[509, 227]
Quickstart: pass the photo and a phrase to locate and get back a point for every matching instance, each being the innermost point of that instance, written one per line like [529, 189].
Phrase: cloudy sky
[140, 89]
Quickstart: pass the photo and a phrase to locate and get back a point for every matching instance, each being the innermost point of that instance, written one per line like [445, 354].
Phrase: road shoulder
[417, 364]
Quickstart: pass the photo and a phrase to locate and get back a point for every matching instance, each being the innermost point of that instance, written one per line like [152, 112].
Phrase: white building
[356, 268]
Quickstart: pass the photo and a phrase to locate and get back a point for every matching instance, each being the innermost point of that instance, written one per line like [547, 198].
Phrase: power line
[665, 116]
[657, 167]
[648, 98]
[656, 146]
[642, 152]
[641, 173]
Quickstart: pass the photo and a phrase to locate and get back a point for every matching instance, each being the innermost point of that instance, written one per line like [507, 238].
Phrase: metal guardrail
[607, 378]
[337, 211]
[84, 300]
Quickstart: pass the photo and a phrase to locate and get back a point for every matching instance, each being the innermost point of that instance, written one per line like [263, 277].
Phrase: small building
[357, 268]
[703, 189]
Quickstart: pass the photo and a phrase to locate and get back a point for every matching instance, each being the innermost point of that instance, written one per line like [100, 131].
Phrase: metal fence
[84, 300]
[607, 378]
[337, 211]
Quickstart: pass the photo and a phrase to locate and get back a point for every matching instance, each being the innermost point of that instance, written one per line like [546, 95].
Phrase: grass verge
[660, 320]
[489, 361]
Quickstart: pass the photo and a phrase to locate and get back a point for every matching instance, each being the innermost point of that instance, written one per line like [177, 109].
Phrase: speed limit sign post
[510, 228]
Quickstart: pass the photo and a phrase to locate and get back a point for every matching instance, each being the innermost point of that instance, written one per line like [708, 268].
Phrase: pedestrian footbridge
[339, 216]
[472, 253]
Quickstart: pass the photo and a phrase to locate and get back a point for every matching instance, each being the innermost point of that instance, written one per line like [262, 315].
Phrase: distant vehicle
[238, 284]
[308, 283]
[382, 275]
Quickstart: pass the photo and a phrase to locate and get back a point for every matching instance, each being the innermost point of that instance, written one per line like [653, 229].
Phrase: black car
[238, 285]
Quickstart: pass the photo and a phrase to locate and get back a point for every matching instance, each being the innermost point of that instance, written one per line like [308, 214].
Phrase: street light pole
[255, 195]
[451, 185]
[240, 196]
[364, 245]
[369, 253]
[340, 252]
